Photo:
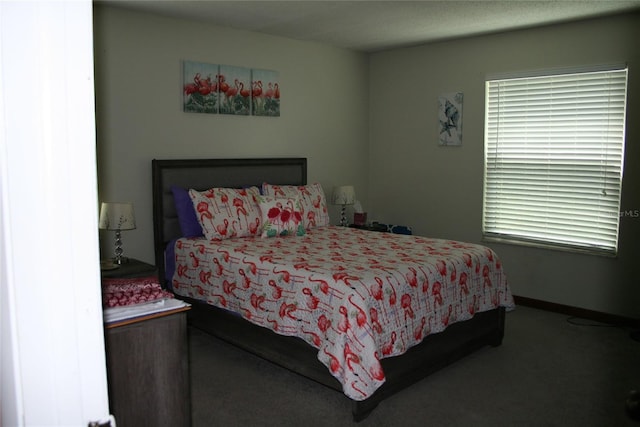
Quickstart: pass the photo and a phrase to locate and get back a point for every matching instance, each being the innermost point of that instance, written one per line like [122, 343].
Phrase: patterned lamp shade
[117, 216]
[344, 195]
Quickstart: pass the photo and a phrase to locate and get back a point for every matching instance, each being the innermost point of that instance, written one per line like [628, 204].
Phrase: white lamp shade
[344, 195]
[117, 216]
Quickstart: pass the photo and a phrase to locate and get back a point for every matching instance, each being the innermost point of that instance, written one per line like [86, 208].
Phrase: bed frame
[435, 352]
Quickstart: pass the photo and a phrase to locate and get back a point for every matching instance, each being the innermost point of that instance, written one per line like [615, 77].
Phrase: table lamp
[343, 195]
[117, 217]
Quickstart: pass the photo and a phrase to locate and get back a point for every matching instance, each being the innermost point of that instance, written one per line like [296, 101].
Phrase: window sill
[549, 246]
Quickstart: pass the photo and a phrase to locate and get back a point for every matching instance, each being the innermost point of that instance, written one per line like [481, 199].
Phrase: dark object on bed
[435, 352]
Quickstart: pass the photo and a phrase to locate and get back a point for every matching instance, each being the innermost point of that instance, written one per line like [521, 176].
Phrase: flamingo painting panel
[450, 118]
[235, 94]
[200, 87]
[265, 87]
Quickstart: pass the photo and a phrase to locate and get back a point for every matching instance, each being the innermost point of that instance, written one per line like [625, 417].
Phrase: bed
[330, 303]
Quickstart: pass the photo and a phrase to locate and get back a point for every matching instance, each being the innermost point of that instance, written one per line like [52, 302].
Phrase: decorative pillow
[227, 212]
[187, 217]
[312, 199]
[281, 217]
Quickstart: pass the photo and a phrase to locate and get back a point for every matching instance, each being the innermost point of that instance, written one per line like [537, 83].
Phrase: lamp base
[120, 260]
[108, 265]
[343, 217]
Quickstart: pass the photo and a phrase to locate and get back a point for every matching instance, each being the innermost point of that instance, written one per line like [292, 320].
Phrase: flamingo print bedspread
[357, 296]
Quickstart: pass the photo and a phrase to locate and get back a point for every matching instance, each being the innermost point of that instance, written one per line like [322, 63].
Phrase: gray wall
[438, 190]
[366, 120]
[324, 109]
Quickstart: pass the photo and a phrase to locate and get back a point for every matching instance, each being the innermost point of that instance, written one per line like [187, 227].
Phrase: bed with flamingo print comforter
[357, 296]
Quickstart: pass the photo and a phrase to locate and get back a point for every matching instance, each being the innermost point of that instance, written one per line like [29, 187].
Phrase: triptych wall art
[227, 89]
[450, 118]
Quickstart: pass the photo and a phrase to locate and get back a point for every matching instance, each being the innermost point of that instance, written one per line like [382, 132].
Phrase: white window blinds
[554, 149]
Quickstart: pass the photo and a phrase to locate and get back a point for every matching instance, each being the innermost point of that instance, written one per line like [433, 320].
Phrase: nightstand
[148, 370]
[147, 359]
[385, 228]
[132, 268]
[370, 227]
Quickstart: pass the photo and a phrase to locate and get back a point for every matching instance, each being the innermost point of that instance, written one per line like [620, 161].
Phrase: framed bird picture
[234, 84]
[450, 119]
[265, 86]
[200, 87]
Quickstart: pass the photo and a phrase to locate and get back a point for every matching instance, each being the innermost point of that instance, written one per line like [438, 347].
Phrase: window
[554, 148]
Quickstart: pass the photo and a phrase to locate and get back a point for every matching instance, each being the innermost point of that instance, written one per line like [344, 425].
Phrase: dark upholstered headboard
[202, 174]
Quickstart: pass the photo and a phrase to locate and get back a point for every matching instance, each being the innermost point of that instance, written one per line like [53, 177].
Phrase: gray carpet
[548, 372]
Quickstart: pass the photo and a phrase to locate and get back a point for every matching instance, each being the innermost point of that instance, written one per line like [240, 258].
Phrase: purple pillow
[187, 218]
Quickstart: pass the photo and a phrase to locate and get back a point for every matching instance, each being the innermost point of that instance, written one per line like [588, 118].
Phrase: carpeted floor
[549, 371]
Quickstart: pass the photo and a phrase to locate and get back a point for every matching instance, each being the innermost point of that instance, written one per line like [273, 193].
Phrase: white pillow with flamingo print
[312, 200]
[281, 217]
[224, 213]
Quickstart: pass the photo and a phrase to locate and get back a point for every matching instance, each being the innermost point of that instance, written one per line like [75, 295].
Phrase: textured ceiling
[371, 26]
